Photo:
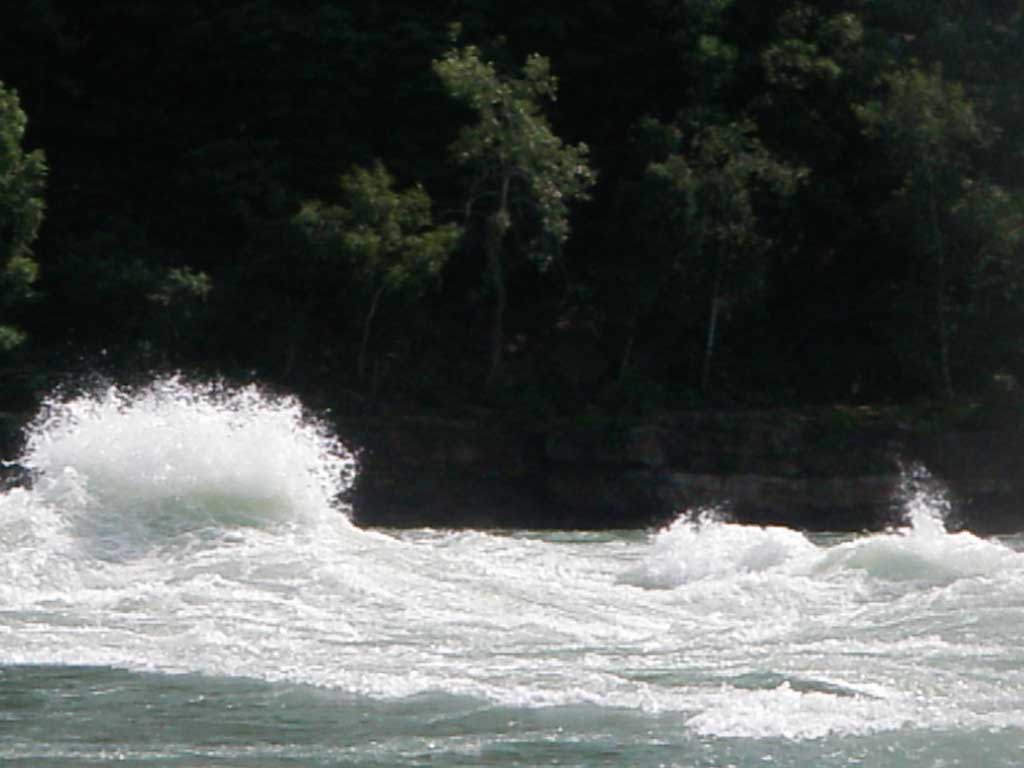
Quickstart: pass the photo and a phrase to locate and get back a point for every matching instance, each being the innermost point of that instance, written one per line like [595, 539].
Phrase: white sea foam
[702, 547]
[915, 556]
[787, 713]
[197, 529]
[129, 468]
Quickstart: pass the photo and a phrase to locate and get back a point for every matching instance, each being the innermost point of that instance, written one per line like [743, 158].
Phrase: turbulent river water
[180, 586]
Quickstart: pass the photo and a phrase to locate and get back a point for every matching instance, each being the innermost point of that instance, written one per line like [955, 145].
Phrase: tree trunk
[939, 298]
[497, 227]
[291, 342]
[627, 353]
[709, 346]
[367, 327]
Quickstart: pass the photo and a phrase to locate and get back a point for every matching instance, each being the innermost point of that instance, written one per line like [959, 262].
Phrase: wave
[195, 529]
[922, 551]
[696, 548]
[129, 469]
[702, 548]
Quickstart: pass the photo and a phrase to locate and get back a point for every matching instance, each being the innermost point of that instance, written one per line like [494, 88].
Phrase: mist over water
[182, 563]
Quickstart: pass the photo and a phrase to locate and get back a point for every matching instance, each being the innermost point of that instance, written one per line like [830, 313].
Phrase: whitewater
[180, 585]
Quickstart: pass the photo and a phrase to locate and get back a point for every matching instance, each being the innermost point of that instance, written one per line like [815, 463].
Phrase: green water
[61, 716]
[180, 588]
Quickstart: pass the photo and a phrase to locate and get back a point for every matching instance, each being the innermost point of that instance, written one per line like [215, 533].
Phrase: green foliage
[512, 142]
[386, 237]
[188, 133]
[707, 193]
[711, 185]
[389, 236]
[988, 225]
[927, 124]
[520, 169]
[22, 179]
[19, 275]
[181, 284]
[10, 338]
[811, 47]
[929, 127]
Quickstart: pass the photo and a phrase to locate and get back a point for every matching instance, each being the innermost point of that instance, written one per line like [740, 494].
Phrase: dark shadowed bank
[841, 469]
[817, 469]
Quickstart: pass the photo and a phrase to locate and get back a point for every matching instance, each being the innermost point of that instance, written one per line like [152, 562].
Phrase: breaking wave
[193, 529]
[129, 469]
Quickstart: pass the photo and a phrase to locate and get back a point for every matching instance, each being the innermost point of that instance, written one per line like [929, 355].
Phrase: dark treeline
[548, 207]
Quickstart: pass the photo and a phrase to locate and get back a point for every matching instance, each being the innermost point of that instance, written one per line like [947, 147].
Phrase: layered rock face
[809, 469]
[816, 470]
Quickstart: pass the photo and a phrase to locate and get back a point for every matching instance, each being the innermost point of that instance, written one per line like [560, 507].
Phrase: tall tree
[522, 173]
[387, 236]
[928, 127]
[708, 190]
[22, 178]
[989, 232]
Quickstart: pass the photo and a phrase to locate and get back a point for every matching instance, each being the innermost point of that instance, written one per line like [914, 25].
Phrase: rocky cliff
[824, 469]
[817, 469]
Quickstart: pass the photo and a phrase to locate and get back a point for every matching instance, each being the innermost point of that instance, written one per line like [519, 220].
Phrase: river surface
[182, 587]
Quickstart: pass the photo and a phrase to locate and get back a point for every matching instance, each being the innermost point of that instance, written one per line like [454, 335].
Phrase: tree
[521, 171]
[928, 127]
[387, 237]
[811, 47]
[990, 229]
[22, 179]
[178, 299]
[708, 190]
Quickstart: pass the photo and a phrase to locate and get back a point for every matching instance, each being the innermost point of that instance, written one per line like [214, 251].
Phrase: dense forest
[548, 208]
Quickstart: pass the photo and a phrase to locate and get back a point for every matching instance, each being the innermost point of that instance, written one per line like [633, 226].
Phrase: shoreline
[815, 469]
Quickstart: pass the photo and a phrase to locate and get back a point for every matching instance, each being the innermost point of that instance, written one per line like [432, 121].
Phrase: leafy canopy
[387, 236]
[926, 123]
[22, 179]
[512, 142]
[710, 187]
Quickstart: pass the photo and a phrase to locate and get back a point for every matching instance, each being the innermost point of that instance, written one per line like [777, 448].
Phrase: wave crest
[130, 467]
[703, 547]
